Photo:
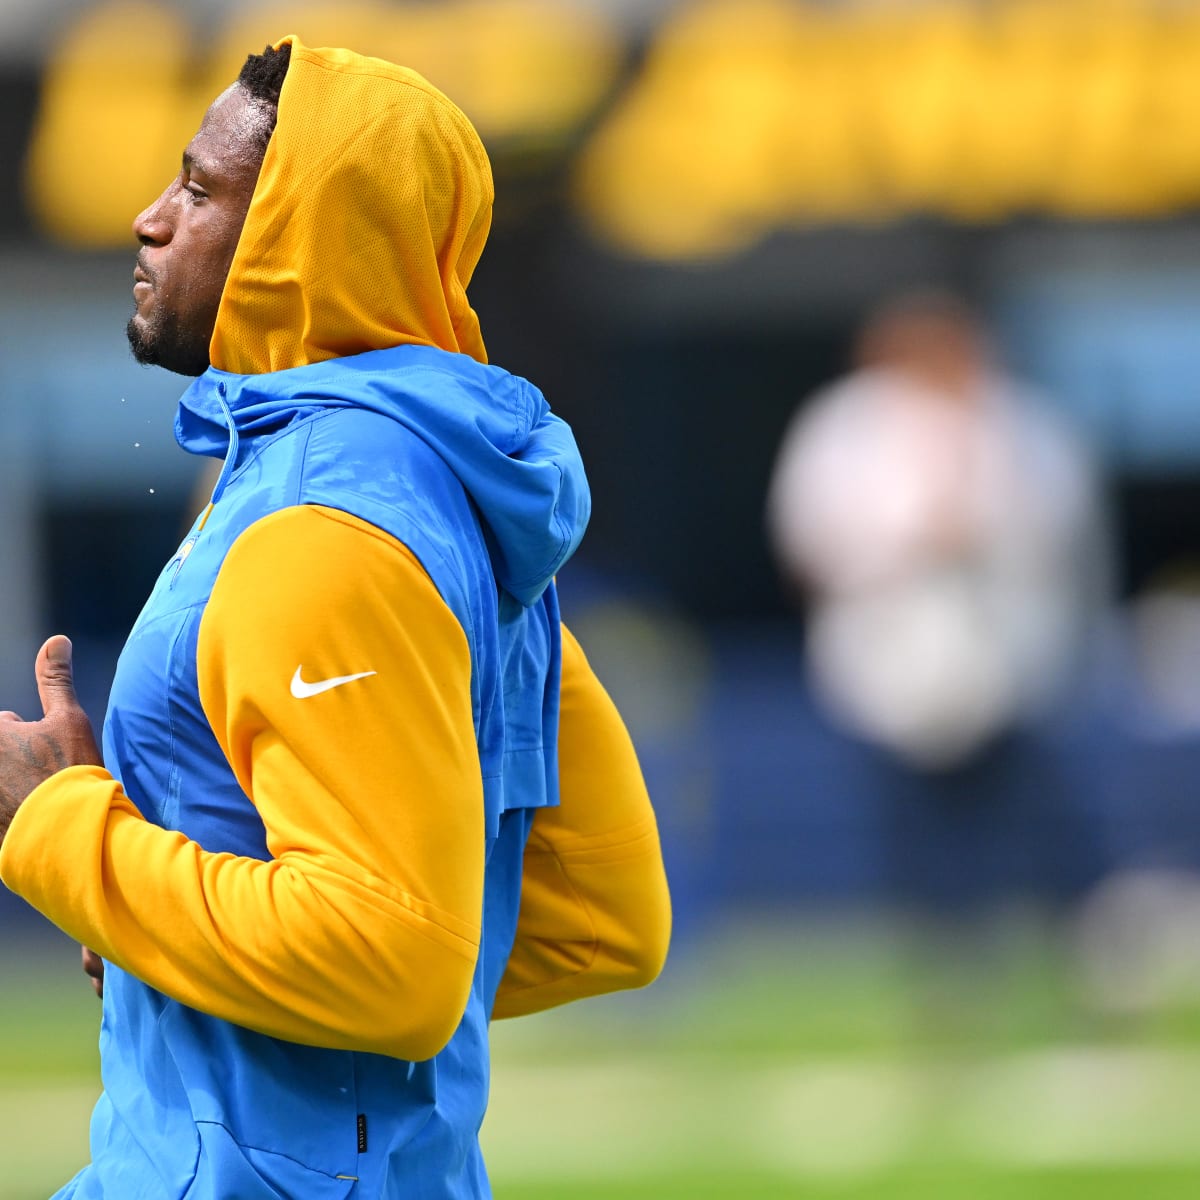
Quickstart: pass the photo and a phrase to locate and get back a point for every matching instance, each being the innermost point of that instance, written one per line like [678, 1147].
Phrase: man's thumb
[52, 669]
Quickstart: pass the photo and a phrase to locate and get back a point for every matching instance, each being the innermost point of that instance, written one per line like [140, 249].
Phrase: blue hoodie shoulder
[495, 432]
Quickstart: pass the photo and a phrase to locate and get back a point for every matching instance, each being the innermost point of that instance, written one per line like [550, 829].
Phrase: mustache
[141, 265]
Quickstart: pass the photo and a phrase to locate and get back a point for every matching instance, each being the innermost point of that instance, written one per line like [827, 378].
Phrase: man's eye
[195, 191]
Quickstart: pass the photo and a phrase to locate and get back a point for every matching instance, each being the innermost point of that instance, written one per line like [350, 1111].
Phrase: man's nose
[150, 226]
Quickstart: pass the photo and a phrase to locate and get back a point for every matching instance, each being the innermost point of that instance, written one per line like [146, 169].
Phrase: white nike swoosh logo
[302, 690]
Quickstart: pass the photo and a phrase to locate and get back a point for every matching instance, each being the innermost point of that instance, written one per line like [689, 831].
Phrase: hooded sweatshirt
[335, 721]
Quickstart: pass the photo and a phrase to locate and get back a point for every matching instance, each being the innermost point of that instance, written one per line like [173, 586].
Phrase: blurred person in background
[946, 529]
[360, 792]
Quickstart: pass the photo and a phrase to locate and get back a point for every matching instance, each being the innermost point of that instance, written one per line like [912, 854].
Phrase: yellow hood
[371, 211]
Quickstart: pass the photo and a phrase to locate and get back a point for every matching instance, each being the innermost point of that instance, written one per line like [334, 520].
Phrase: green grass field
[768, 1065]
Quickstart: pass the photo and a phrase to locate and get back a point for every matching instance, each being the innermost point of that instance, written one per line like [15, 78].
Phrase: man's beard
[163, 343]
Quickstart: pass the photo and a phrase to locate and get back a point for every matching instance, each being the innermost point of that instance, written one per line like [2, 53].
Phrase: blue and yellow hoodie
[361, 791]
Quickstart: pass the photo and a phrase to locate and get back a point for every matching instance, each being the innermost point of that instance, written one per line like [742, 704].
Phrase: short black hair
[262, 76]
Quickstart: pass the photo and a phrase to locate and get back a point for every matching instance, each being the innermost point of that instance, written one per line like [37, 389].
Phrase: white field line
[1088, 1106]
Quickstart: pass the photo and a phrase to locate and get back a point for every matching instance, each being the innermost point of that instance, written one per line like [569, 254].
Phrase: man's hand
[93, 968]
[32, 751]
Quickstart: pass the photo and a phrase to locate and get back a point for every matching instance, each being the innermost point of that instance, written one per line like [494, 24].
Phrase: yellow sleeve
[362, 931]
[595, 911]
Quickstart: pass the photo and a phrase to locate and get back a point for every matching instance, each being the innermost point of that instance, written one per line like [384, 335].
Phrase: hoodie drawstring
[230, 454]
[230, 458]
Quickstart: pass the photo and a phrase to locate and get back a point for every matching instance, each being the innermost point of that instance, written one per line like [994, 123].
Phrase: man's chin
[150, 348]
[140, 345]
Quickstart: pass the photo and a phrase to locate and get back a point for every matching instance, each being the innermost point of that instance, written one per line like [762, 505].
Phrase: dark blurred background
[703, 208]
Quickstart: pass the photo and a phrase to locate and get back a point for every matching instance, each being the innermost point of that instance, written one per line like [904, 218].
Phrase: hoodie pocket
[227, 1170]
[263, 1106]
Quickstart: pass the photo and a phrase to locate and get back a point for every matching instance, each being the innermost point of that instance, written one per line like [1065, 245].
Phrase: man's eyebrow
[192, 163]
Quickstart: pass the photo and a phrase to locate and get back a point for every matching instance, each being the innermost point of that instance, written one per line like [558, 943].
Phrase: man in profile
[360, 791]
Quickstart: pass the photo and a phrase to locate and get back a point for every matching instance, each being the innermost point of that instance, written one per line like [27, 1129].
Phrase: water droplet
[152, 491]
[136, 445]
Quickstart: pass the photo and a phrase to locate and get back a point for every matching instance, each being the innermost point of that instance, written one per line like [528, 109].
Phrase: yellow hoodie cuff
[53, 853]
